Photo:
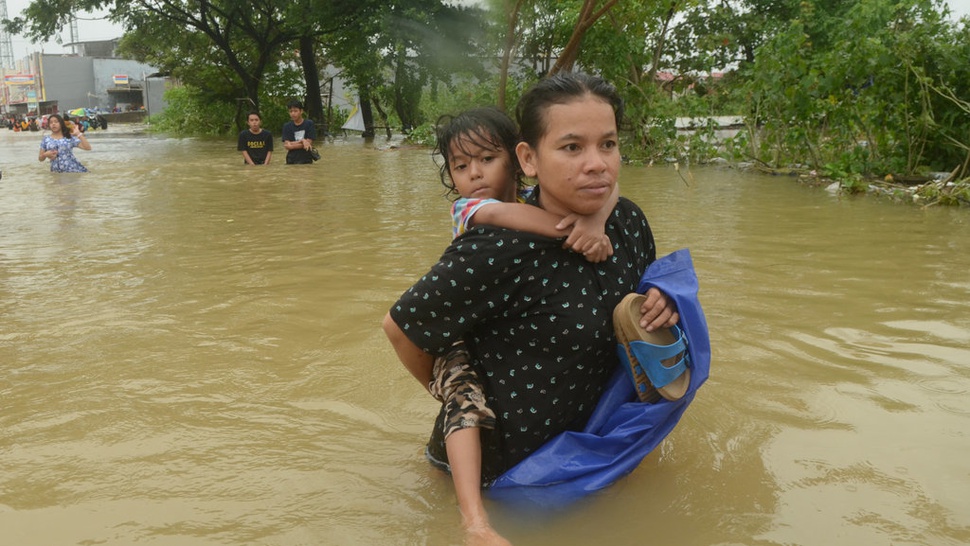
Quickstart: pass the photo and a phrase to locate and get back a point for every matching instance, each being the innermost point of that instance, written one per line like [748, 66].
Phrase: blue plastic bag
[622, 430]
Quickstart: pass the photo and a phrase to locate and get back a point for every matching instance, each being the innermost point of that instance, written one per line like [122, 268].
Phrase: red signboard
[19, 79]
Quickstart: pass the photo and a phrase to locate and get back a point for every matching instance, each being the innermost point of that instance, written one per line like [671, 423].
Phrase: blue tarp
[622, 430]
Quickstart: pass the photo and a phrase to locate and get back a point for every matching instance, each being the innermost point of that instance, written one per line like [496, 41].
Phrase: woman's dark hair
[487, 127]
[561, 88]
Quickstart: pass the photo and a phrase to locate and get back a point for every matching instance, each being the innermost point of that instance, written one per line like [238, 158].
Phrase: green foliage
[465, 93]
[848, 86]
[462, 94]
[943, 193]
[190, 113]
[853, 89]
[423, 135]
[407, 46]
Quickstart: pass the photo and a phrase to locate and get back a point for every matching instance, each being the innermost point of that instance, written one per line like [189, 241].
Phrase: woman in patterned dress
[58, 148]
[536, 317]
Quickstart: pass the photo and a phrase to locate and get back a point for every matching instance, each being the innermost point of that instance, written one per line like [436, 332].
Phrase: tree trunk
[587, 17]
[407, 93]
[503, 76]
[661, 40]
[383, 114]
[636, 72]
[252, 90]
[366, 113]
[311, 75]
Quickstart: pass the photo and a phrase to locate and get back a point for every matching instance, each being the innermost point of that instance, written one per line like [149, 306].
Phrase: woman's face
[577, 159]
[54, 124]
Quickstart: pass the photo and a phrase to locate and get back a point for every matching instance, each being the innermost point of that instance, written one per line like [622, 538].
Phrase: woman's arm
[418, 362]
[84, 145]
[46, 153]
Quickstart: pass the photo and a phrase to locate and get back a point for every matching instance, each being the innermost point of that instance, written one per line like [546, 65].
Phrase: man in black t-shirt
[298, 135]
[255, 143]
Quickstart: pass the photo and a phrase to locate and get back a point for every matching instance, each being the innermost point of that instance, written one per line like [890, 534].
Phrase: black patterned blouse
[537, 320]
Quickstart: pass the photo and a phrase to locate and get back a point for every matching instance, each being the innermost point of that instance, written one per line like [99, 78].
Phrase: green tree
[867, 87]
[725, 34]
[407, 46]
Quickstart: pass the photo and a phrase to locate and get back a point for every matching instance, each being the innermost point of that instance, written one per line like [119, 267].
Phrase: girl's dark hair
[561, 88]
[60, 120]
[487, 127]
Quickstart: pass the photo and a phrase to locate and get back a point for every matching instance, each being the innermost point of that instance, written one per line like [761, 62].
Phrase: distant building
[44, 83]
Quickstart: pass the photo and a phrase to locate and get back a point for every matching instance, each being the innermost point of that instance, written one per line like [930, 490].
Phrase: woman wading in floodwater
[57, 147]
[536, 317]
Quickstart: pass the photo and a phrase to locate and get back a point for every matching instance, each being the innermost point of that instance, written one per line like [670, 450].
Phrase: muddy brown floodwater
[190, 354]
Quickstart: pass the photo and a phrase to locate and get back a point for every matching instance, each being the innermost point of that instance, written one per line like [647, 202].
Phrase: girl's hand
[599, 251]
[587, 237]
[77, 131]
[50, 154]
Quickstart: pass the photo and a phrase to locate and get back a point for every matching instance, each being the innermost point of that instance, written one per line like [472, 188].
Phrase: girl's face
[577, 160]
[254, 122]
[54, 125]
[481, 172]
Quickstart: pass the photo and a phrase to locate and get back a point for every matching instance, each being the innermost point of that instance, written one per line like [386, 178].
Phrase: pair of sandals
[658, 362]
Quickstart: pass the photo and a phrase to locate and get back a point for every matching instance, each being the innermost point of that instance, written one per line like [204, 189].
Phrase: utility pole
[6, 42]
[75, 36]
[6, 58]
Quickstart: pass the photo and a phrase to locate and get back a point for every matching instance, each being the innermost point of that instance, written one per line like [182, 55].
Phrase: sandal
[658, 361]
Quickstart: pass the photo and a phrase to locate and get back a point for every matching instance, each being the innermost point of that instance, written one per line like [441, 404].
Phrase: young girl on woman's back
[479, 164]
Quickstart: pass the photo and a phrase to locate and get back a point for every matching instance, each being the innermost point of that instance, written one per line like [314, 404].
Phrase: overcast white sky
[91, 28]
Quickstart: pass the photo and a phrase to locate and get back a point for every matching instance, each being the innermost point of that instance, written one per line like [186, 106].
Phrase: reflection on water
[190, 354]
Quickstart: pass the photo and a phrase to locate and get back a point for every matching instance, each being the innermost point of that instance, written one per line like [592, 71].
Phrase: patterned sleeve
[462, 211]
[469, 284]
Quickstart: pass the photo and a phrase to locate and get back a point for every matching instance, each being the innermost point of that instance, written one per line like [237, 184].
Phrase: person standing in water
[58, 146]
[477, 148]
[536, 317]
[255, 143]
[298, 135]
